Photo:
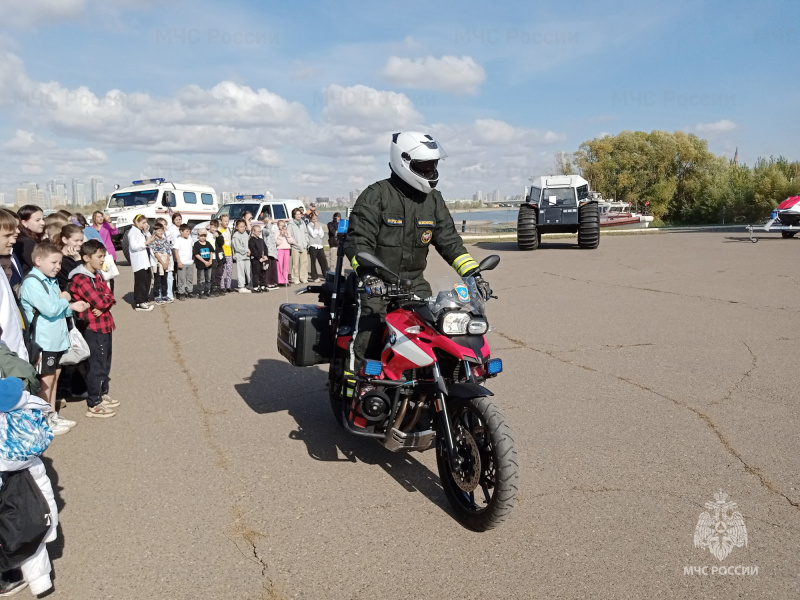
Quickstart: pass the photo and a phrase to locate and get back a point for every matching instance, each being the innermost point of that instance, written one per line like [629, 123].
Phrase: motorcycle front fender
[468, 390]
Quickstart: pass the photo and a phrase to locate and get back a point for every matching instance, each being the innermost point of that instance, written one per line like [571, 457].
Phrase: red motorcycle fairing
[405, 350]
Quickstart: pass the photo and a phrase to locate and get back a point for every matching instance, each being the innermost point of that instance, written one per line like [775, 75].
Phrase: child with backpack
[46, 309]
[96, 324]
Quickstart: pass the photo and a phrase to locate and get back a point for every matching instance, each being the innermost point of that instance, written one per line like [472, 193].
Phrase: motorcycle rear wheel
[479, 429]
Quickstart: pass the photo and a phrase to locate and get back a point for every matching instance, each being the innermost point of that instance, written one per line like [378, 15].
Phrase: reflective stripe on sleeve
[464, 264]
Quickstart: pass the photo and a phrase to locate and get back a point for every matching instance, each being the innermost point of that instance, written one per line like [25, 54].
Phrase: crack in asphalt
[656, 291]
[249, 535]
[709, 422]
[222, 461]
[737, 385]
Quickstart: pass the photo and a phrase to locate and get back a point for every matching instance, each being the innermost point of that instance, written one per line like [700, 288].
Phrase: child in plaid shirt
[96, 324]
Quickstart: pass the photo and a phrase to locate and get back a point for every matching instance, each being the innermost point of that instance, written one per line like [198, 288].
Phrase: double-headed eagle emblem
[721, 529]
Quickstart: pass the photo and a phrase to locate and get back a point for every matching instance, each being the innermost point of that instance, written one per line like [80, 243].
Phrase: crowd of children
[256, 258]
[51, 289]
[54, 283]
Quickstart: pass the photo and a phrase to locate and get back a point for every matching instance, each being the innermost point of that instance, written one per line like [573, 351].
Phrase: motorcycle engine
[373, 403]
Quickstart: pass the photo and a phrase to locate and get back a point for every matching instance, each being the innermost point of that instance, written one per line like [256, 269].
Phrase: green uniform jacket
[12, 365]
[399, 224]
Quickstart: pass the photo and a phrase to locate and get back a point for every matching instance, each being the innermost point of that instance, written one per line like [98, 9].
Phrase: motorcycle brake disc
[468, 475]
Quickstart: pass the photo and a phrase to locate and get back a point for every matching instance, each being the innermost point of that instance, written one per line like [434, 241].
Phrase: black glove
[374, 286]
[483, 287]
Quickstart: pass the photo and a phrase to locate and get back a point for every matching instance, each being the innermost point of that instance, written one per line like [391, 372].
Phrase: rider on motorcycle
[398, 219]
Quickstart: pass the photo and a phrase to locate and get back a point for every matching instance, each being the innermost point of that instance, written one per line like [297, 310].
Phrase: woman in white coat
[139, 239]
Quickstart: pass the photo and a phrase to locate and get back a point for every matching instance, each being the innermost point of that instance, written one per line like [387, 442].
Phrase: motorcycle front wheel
[483, 489]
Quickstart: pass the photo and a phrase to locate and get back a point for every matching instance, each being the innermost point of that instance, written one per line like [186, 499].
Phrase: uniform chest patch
[424, 223]
[426, 236]
[393, 221]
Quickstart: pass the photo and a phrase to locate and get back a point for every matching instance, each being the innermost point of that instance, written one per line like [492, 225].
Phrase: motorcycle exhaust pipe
[415, 416]
[401, 414]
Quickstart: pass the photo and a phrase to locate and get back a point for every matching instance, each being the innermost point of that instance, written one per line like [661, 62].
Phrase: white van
[155, 198]
[279, 210]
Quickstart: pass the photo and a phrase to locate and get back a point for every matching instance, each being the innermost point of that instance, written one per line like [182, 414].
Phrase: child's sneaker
[10, 588]
[244, 290]
[143, 307]
[59, 429]
[100, 411]
[109, 402]
[168, 300]
[59, 420]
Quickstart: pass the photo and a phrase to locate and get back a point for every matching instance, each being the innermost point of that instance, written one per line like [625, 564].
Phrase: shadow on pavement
[761, 238]
[276, 386]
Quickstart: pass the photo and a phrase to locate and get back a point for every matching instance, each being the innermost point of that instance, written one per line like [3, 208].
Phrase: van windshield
[234, 211]
[137, 198]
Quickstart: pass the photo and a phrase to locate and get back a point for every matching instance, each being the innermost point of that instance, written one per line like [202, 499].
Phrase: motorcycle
[427, 390]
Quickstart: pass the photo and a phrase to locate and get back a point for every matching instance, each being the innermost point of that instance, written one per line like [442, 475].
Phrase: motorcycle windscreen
[456, 293]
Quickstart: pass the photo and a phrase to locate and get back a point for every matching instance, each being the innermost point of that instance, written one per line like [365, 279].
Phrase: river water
[503, 215]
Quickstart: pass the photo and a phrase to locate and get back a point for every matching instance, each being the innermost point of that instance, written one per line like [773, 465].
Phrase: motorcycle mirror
[489, 263]
[367, 259]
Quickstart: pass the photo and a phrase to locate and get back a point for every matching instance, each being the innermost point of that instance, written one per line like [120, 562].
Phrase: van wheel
[787, 234]
[528, 236]
[126, 245]
[589, 226]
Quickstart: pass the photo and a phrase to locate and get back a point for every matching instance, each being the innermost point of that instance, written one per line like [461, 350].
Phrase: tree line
[682, 180]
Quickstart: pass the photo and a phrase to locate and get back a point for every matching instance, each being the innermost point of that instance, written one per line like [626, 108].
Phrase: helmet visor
[425, 168]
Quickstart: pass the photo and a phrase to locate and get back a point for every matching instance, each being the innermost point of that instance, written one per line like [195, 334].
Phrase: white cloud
[711, 129]
[26, 13]
[357, 120]
[489, 153]
[21, 142]
[459, 75]
[30, 13]
[247, 139]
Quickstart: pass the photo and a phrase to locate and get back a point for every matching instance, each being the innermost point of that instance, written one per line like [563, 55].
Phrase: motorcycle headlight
[477, 327]
[455, 323]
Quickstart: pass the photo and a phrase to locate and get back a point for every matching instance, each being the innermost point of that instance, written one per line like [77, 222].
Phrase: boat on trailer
[785, 218]
[618, 215]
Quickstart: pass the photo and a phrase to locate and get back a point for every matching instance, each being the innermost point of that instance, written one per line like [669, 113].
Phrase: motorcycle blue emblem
[462, 291]
[392, 338]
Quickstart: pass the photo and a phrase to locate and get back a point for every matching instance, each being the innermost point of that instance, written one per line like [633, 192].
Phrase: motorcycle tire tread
[506, 468]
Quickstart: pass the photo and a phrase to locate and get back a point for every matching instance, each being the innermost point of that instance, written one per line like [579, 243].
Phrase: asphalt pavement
[640, 380]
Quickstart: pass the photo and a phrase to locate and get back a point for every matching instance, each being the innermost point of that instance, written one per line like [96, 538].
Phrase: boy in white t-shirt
[184, 263]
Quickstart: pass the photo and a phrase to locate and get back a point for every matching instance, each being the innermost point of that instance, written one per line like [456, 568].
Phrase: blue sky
[300, 98]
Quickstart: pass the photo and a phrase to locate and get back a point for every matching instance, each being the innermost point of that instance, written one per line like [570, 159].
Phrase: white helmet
[413, 157]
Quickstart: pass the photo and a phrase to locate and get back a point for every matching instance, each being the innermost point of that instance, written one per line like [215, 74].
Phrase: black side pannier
[304, 334]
